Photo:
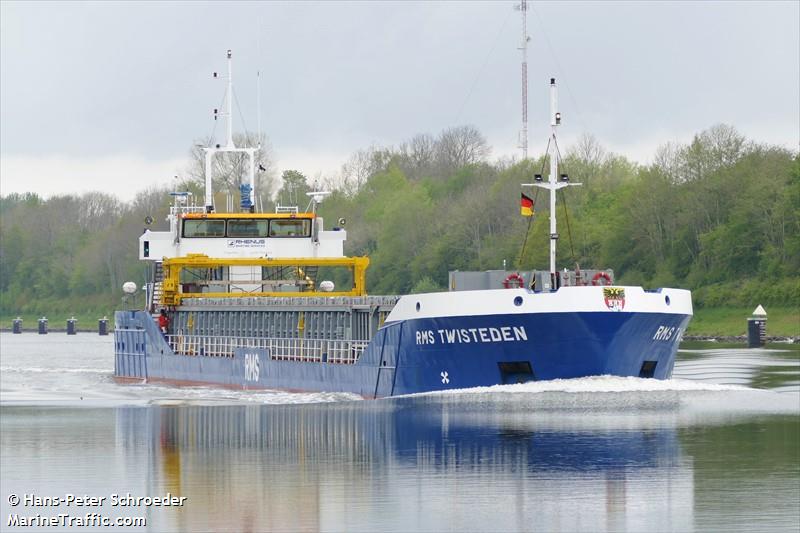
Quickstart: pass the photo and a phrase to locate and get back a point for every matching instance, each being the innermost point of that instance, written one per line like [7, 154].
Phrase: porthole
[518, 301]
[418, 306]
[666, 299]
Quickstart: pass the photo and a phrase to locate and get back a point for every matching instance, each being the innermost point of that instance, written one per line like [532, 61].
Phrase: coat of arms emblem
[614, 298]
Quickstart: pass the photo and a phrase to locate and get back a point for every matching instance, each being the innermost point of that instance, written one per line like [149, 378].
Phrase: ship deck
[293, 328]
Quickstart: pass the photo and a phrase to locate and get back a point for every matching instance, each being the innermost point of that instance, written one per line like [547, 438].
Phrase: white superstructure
[243, 235]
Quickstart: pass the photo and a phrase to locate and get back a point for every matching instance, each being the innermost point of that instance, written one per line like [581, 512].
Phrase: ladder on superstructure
[158, 286]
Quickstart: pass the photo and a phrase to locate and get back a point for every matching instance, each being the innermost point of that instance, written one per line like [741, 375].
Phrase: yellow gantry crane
[173, 292]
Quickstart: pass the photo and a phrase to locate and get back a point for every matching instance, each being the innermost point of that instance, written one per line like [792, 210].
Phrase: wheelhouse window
[247, 228]
[204, 228]
[290, 227]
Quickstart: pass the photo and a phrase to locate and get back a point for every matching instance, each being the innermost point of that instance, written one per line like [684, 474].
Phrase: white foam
[158, 394]
[54, 370]
[95, 386]
[596, 384]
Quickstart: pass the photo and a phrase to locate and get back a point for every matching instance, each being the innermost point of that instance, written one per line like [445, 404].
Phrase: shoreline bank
[731, 339]
[740, 339]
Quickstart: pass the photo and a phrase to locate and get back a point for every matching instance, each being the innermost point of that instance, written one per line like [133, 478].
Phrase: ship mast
[247, 190]
[229, 103]
[554, 181]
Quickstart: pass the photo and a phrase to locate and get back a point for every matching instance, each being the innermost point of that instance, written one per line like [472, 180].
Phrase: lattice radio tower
[523, 135]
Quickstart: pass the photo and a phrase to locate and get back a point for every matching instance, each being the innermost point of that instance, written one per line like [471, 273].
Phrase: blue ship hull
[428, 354]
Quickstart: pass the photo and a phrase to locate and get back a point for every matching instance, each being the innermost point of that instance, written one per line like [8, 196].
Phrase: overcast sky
[109, 96]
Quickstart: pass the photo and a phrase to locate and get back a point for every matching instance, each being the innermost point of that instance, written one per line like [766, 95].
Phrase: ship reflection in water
[671, 460]
[593, 454]
[409, 465]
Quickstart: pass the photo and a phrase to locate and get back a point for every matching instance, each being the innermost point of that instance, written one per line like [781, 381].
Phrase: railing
[281, 349]
[181, 209]
[172, 288]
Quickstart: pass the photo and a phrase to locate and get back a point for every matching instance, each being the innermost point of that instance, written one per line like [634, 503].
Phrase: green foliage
[731, 321]
[717, 211]
[426, 284]
[749, 293]
[294, 189]
[71, 254]
[720, 216]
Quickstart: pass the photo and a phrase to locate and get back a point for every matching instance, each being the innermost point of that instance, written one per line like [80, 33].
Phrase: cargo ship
[249, 307]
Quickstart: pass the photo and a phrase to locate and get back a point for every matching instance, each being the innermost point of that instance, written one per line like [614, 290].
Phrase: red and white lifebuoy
[601, 275]
[514, 281]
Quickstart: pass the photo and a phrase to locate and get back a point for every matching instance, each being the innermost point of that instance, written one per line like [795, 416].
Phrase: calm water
[716, 448]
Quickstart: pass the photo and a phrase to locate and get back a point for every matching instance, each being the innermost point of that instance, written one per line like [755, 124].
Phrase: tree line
[719, 215]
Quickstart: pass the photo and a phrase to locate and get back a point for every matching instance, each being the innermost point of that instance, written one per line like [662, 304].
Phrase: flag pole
[524, 242]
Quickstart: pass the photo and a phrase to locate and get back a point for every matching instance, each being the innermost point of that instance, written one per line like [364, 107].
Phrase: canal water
[715, 448]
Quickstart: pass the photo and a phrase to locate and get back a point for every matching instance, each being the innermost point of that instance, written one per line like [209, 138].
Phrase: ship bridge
[243, 235]
[224, 255]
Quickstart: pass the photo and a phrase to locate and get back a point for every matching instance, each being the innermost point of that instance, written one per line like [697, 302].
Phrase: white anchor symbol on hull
[445, 379]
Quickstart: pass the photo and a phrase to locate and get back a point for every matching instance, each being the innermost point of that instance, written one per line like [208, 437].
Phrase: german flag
[526, 206]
